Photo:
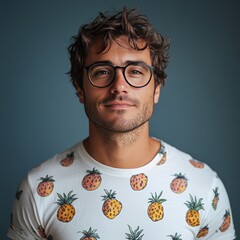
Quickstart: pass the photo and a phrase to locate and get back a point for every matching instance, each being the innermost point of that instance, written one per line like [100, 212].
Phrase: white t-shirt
[72, 196]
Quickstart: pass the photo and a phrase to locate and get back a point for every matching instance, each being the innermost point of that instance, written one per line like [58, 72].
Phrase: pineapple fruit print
[138, 181]
[226, 222]
[164, 155]
[215, 199]
[134, 234]
[196, 163]
[111, 206]
[202, 232]
[45, 187]
[162, 160]
[91, 234]
[68, 160]
[92, 180]
[192, 215]
[179, 183]
[155, 209]
[66, 211]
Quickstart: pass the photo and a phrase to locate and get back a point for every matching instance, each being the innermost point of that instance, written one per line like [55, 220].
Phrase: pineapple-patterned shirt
[72, 196]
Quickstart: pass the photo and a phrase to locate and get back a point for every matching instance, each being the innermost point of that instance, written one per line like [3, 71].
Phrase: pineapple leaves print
[111, 206]
[92, 180]
[138, 181]
[226, 221]
[179, 183]
[68, 160]
[175, 237]
[66, 210]
[134, 234]
[202, 232]
[192, 215]
[45, 187]
[155, 209]
[215, 198]
[91, 234]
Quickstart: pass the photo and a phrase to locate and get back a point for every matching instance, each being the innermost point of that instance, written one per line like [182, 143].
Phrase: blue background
[199, 106]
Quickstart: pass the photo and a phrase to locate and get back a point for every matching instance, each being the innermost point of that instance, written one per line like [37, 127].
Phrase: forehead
[118, 51]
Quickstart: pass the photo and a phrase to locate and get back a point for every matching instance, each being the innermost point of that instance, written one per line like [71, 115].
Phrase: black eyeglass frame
[151, 68]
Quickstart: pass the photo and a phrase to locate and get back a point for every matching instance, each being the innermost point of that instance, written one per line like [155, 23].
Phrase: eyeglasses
[136, 74]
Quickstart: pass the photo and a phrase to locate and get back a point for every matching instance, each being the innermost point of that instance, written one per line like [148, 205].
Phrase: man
[120, 183]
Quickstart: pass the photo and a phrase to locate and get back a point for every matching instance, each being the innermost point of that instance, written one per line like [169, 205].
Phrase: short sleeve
[218, 219]
[25, 224]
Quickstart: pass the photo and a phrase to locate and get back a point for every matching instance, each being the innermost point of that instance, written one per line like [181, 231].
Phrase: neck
[122, 150]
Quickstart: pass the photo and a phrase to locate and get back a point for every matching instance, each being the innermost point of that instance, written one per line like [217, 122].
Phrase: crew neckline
[123, 172]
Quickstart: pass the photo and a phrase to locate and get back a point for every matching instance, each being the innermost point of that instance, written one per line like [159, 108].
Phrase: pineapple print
[92, 180]
[18, 194]
[176, 237]
[90, 234]
[42, 233]
[134, 235]
[155, 209]
[192, 215]
[45, 187]
[164, 155]
[196, 163]
[138, 181]
[68, 160]
[162, 160]
[203, 232]
[179, 183]
[111, 206]
[215, 199]
[66, 211]
[226, 222]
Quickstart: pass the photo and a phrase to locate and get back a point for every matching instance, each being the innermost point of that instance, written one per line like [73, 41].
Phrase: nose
[119, 85]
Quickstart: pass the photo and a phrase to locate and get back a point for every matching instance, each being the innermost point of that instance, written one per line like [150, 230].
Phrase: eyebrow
[125, 63]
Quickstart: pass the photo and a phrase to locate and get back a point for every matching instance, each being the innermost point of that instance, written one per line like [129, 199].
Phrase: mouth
[118, 105]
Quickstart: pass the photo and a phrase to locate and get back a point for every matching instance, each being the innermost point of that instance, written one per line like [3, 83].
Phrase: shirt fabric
[72, 196]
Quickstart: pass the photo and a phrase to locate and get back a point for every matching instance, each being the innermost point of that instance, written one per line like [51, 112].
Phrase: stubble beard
[125, 130]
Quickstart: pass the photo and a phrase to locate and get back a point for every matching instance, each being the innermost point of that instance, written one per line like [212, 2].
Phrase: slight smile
[118, 105]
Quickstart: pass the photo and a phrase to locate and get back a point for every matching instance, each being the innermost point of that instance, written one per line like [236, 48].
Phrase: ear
[80, 94]
[157, 93]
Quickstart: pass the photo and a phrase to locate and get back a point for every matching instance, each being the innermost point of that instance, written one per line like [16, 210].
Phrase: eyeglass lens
[137, 75]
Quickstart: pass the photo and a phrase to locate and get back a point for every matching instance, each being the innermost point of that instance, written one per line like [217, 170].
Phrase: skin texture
[119, 114]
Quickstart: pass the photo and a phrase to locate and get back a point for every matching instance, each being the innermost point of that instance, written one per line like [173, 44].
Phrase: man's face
[118, 107]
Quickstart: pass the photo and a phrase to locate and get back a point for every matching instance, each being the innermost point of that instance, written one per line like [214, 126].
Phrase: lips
[119, 102]
[118, 105]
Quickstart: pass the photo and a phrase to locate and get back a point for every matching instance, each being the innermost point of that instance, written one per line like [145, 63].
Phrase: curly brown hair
[110, 26]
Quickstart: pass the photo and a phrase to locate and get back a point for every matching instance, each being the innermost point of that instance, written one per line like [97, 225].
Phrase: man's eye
[102, 72]
[135, 71]
[99, 73]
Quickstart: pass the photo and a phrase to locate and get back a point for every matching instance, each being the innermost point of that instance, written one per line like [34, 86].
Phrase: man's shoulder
[174, 152]
[186, 161]
[64, 158]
